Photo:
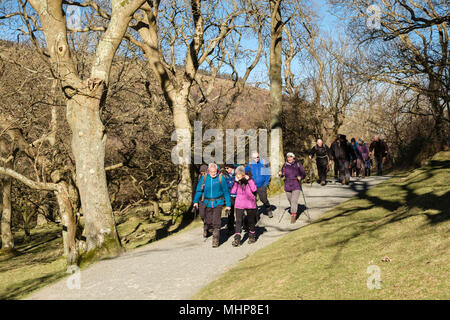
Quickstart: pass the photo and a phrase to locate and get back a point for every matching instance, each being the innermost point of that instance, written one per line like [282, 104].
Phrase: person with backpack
[213, 192]
[379, 149]
[323, 159]
[229, 176]
[353, 161]
[363, 157]
[244, 187]
[342, 151]
[292, 172]
[260, 173]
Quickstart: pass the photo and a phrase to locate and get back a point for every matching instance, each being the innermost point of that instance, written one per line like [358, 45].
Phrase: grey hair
[212, 165]
[240, 170]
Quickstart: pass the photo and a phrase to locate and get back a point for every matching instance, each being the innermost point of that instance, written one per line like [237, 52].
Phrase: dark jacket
[342, 151]
[380, 148]
[321, 153]
[291, 171]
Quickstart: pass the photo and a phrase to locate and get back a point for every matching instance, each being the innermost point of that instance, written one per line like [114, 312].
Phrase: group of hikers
[238, 187]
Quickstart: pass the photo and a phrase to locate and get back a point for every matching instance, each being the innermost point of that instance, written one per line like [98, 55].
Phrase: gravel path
[179, 266]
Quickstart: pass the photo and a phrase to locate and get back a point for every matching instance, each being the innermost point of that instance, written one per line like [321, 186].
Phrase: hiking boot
[215, 240]
[322, 183]
[237, 241]
[252, 238]
[293, 218]
[344, 181]
[206, 232]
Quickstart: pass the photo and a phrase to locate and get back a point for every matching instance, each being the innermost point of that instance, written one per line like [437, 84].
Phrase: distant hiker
[363, 157]
[244, 188]
[213, 190]
[323, 159]
[293, 173]
[335, 166]
[260, 172]
[342, 151]
[229, 176]
[201, 206]
[354, 161]
[380, 149]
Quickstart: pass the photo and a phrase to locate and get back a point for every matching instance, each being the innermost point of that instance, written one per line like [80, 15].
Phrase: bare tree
[408, 49]
[84, 101]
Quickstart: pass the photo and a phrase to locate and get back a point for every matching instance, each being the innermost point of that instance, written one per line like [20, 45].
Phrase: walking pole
[279, 200]
[304, 199]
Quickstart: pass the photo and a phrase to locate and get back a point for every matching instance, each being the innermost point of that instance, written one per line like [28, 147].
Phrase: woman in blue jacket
[213, 191]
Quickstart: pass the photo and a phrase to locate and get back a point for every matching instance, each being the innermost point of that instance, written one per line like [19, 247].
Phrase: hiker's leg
[207, 223]
[216, 222]
[251, 216]
[294, 202]
[322, 170]
[341, 170]
[201, 210]
[380, 165]
[239, 220]
[262, 193]
[347, 170]
[230, 222]
[289, 197]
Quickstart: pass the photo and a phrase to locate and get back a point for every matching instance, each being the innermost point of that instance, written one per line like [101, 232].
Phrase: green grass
[406, 219]
[40, 261]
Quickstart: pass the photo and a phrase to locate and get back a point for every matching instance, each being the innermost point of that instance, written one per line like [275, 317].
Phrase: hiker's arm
[301, 171]
[312, 152]
[226, 193]
[252, 185]
[198, 191]
[234, 188]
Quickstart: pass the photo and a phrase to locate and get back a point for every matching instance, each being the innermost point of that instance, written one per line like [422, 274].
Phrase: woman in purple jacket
[363, 156]
[293, 173]
[244, 188]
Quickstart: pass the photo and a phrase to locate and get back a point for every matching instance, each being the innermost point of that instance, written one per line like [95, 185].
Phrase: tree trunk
[69, 222]
[181, 122]
[7, 236]
[88, 147]
[276, 134]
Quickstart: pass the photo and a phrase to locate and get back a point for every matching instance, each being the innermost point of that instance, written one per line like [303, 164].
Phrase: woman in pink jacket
[244, 187]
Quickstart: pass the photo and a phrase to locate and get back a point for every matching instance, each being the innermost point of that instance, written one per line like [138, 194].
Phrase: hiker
[260, 173]
[293, 173]
[213, 190]
[342, 151]
[323, 159]
[354, 161]
[244, 188]
[379, 149]
[229, 176]
[363, 157]
[335, 165]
